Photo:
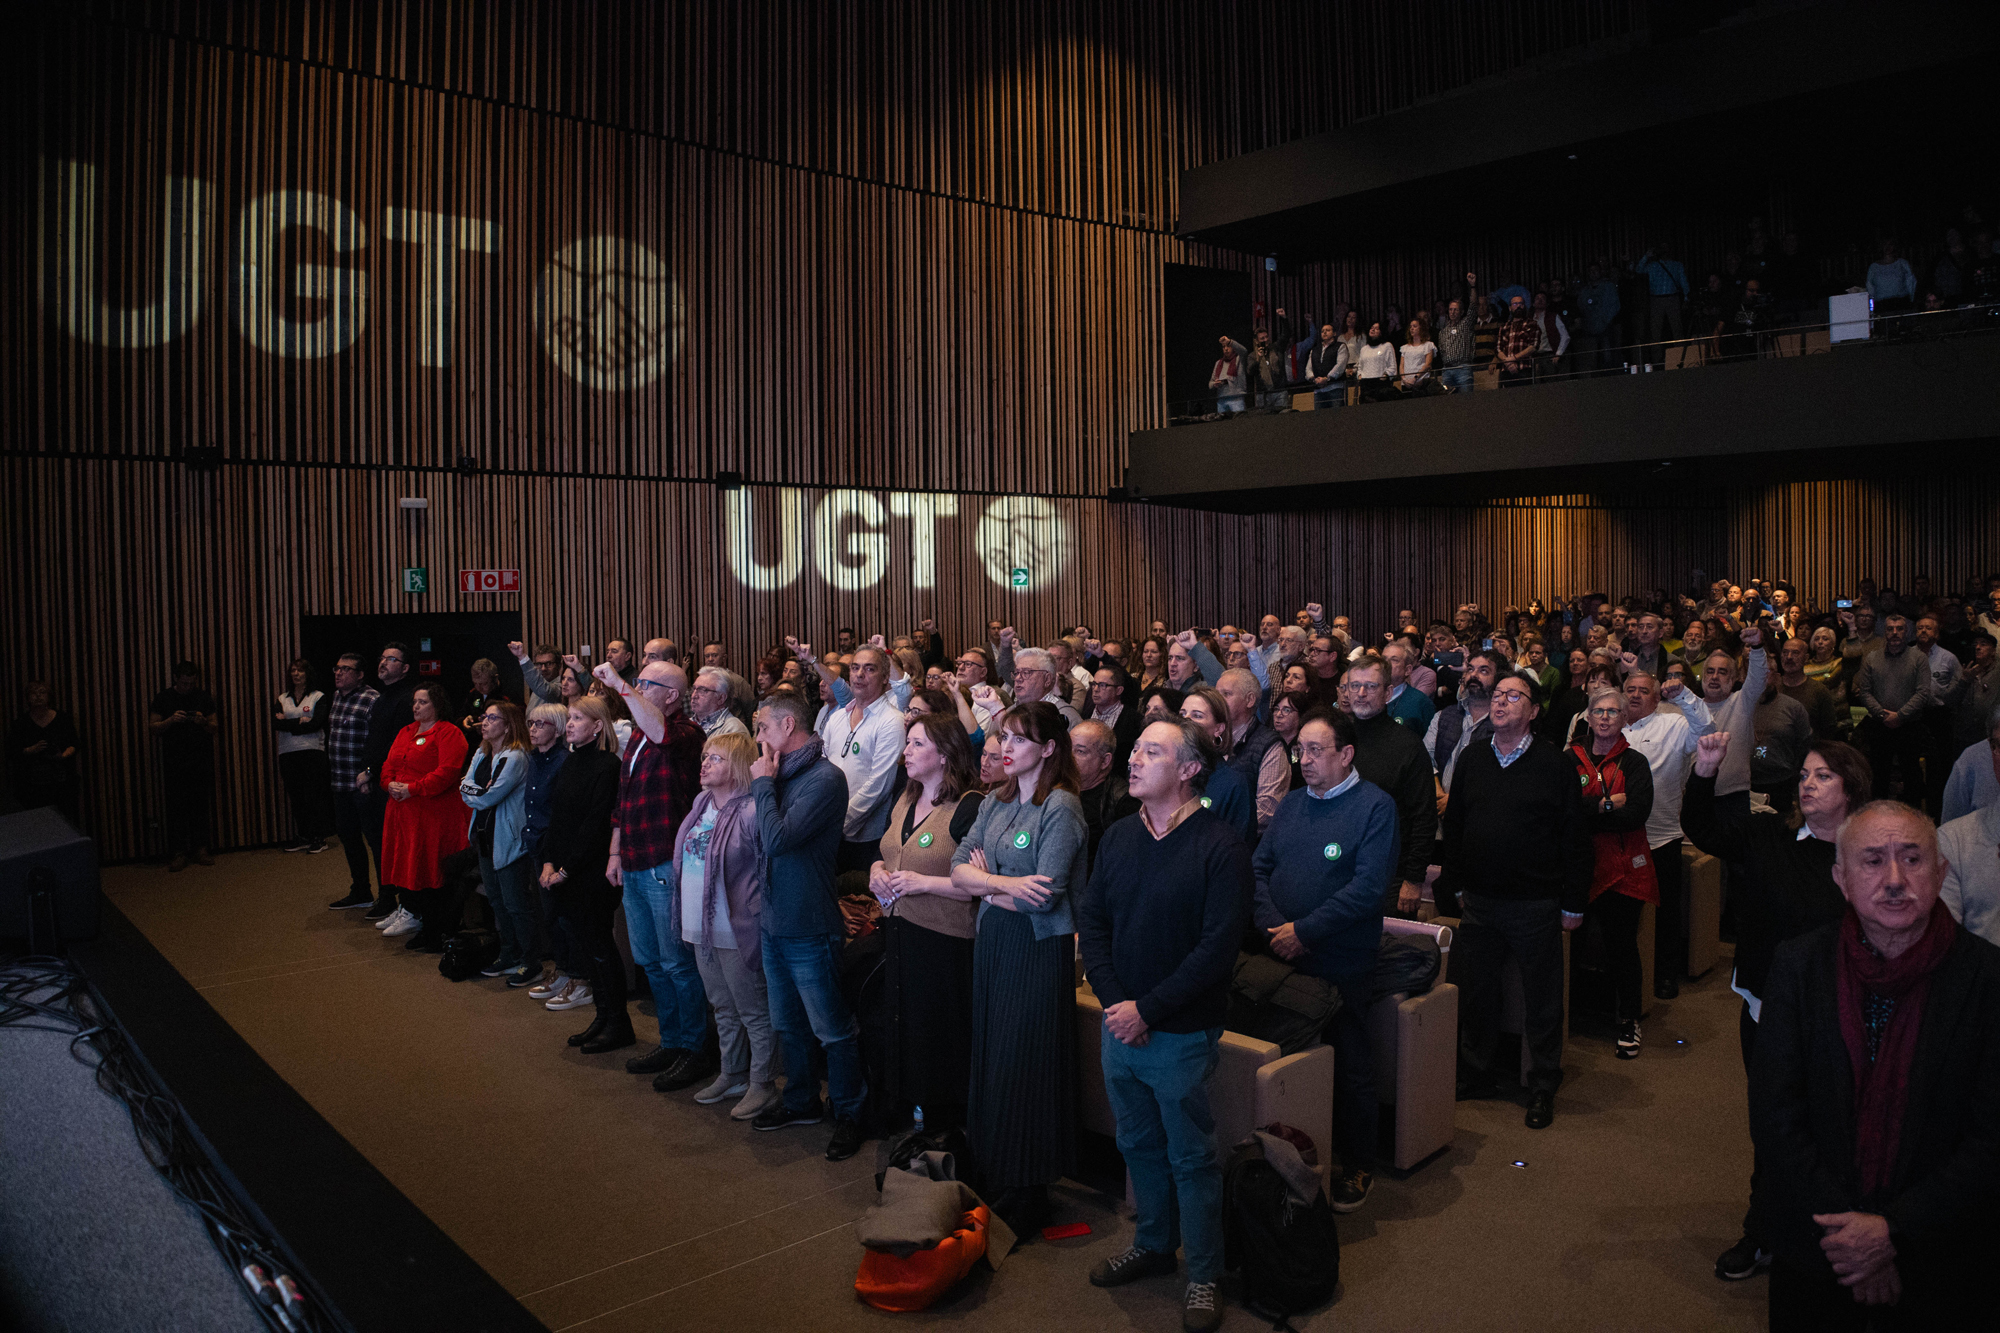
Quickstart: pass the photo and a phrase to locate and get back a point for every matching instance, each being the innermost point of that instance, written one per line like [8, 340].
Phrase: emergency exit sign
[416, 580]
[489, 580]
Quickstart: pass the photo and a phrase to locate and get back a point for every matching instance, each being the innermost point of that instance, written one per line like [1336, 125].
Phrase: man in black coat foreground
[1875, 1098]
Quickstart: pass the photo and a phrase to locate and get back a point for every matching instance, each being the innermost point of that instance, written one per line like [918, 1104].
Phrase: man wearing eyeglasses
[386, 720]
[1035, 682]
[1390, 756]
[709, 702]
[658, 776]
[346, 741]
[1323, 668]
[1107, 705]
[1517, 854]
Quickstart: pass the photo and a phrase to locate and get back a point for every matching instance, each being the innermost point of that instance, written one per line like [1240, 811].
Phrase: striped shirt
[348, 734]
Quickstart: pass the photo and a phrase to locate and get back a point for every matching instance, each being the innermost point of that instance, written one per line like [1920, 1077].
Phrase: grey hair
[1093, 732]
[1034, 659]
[1882, 807]
[556, 713]
[1605, 692]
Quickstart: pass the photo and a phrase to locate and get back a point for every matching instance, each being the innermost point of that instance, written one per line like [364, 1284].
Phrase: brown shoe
[178, 864]
[202, 858]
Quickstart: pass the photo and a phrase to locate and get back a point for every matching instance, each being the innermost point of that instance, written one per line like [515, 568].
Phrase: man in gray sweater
[1894, 685]
[801, 805]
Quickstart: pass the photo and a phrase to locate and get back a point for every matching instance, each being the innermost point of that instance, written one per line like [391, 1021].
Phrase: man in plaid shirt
[347, 732]
[658, 778]
[1514, 349]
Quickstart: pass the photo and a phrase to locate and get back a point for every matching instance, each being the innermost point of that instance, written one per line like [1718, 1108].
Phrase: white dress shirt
[1668, 742]
[868, 755]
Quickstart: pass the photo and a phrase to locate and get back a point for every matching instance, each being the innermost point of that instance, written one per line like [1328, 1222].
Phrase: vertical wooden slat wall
[916, 248]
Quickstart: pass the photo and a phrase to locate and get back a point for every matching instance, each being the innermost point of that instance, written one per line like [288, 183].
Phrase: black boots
[611, 1030]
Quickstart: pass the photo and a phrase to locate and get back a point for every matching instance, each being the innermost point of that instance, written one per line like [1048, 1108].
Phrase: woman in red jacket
[425, 821]
[1617, 795]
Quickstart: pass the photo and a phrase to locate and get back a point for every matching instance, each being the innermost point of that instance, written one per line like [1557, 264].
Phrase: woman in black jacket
[1617, 795]
[574, 852]
[1786, 890]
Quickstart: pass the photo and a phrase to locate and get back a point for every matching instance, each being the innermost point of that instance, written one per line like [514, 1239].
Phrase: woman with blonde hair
[495, 788]
[719, 900]
[574, 853]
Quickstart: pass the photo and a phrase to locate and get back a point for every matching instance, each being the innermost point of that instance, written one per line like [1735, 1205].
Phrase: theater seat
[1415, 1043]
[1255, 1083]
[1702, 874]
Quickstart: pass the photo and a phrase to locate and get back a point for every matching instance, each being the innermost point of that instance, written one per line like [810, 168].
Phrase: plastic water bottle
[920, 1120]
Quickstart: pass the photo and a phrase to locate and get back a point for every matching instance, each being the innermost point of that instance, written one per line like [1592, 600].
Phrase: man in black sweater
[388, 718]
[1517, 853]
[1875, 1098]
[1392, 757]
[1158, 926]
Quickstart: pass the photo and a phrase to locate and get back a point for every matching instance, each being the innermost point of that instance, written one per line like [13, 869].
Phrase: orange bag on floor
[889, 1283]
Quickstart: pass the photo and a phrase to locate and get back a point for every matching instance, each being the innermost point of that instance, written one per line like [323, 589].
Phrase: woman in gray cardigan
[1022, 858]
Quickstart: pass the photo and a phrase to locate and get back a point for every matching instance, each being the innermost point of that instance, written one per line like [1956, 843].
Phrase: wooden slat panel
[120, 568]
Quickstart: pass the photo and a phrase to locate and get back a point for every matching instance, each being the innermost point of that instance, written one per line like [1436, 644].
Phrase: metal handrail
[1879, 330]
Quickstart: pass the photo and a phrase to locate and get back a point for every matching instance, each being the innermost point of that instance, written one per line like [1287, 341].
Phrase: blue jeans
[1458, 377]
[802, 979]
[512, 899]
[1159, 1095]
[1329, 396]
[655, 932]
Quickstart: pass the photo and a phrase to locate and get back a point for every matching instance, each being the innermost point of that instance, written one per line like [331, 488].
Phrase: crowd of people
[1153, 806]
[1617, 314]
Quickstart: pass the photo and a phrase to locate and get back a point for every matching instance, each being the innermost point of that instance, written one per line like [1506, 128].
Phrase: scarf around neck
[1882, 1085]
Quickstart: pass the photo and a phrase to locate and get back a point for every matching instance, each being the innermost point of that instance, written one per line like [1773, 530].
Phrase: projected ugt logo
[609, 313]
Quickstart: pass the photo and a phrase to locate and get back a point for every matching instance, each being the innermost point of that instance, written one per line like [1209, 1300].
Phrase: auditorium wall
[556, 269]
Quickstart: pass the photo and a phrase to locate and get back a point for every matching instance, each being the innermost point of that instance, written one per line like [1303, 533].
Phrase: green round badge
[1021, 839]
[1333, 851]
[1206, 803]
[924, 839]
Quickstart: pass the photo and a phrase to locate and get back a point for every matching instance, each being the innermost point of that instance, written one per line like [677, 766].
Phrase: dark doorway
[1202, 304]
[443, 645]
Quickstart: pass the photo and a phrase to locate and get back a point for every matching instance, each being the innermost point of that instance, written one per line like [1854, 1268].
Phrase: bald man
[660, 650]
[1875, 1098]
[658, 776]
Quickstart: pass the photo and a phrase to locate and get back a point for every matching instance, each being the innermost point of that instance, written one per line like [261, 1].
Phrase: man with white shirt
[1735, 711]
[1269, 644]
[864, 740]
[1035, 681]
[1669, 741]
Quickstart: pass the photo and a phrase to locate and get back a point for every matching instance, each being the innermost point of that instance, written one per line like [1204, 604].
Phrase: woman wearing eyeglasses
[1617, 796]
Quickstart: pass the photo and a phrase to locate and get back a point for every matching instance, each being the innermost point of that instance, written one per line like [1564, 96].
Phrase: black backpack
[467, 952]
[1289, 1253]
[1406, 964]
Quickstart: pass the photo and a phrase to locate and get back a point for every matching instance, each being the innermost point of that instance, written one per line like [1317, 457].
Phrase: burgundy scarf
[1882, 1089]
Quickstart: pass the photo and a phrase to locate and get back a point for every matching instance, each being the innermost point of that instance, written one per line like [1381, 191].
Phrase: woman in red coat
[425, 821]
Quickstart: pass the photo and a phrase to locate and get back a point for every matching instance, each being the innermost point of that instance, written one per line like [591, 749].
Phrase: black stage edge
[1857, 411]
[380, 1263]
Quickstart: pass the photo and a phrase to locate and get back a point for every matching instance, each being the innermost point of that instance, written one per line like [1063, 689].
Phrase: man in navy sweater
[1158, 926]
[1517, 853]
[1320, 869]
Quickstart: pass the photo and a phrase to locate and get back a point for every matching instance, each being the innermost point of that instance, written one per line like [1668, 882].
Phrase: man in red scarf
[1875, 1098]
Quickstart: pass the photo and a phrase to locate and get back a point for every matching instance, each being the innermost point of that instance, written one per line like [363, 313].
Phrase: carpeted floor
[606, 1206]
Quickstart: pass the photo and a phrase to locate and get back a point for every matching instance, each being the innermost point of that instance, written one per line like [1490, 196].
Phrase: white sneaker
[406, 926]
[725, 1085]
[549, 989]
[575, 996]
[395, 918]
[761, 1098]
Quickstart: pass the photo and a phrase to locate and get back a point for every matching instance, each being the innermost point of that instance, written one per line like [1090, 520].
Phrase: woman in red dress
[425, 821]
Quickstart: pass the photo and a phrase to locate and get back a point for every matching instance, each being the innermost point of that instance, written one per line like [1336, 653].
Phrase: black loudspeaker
[48, 880]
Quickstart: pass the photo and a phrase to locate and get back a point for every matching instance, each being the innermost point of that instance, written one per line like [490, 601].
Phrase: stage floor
[604, 1205]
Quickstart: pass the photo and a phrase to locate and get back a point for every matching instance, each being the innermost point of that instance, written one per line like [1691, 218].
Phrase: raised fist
[519, 649]
[1752, 635]
[1316, 611]
[1185, 639]
[1708, 753]
[605, 672]
[1008, 638]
